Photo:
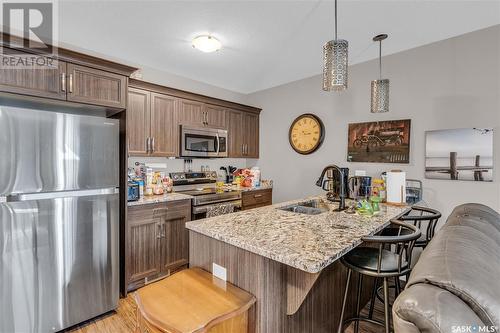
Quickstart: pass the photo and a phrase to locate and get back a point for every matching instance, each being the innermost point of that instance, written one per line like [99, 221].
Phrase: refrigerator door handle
[60, 194]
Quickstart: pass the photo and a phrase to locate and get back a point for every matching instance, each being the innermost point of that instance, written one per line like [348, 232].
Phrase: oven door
[203, 142]
[200, 212]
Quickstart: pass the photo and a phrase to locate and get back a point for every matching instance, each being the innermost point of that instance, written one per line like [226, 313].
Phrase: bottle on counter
[149, 176]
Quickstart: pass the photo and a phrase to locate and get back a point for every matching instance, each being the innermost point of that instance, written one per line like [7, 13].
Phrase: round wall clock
[306, 133]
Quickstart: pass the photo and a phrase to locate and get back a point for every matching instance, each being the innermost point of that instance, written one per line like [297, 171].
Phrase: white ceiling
[265, 43]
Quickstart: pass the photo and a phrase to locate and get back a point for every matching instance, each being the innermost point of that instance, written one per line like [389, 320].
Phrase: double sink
[310, 207]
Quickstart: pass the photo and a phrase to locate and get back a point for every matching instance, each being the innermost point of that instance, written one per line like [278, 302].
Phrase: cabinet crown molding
[134, 83]
[68, 55]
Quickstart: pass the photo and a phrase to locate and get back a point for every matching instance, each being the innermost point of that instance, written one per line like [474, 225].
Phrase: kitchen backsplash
[177, 165]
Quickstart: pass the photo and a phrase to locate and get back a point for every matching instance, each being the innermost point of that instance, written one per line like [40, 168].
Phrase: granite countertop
[307, 242]
[159, 198]
[179, 196]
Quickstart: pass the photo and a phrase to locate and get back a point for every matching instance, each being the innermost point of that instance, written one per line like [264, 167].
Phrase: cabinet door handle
[63, 82]
[147, 145]
[153, 145]
[128, 147]
[163, 230]
[257, 195]
[159, 211]
[71, 83]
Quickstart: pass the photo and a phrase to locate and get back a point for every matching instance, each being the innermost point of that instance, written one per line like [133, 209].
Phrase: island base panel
[270, 282]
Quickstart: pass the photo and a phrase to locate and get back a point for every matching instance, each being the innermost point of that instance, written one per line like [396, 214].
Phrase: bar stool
[423, 218]
[379, 262]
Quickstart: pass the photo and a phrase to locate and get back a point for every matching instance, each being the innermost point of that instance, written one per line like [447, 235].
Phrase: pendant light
[335, 62]
[380, 87]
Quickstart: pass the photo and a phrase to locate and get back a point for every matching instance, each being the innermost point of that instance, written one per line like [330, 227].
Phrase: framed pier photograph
[459, 154]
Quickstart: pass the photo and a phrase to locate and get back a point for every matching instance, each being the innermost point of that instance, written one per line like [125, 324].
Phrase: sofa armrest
[429, 309]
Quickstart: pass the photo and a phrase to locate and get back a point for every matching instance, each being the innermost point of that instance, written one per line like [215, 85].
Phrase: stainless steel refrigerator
[59, 219]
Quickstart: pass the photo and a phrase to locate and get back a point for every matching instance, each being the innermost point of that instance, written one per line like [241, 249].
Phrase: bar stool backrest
[423, 218]
[402, 244]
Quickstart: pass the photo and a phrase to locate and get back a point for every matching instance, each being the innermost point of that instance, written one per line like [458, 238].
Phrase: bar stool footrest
[358, 319]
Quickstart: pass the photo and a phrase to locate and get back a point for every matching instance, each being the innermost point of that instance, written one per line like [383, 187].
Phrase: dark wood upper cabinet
[215, 116]
[201, 114]
[46, 82]
[171, 108]
[164, 126]
[138, 121]
[152, 124]
[243, 134]
[235, 137]
[97, 87]
[191, 112]
[65, 75]
[250, 135]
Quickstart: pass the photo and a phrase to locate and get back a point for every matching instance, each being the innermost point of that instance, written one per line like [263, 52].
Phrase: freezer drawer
[59, 261]
[44, 151]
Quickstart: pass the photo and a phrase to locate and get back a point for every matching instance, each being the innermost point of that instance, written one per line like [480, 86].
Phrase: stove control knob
[175, 177]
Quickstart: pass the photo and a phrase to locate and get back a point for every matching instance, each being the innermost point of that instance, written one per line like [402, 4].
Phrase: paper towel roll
[396, 187]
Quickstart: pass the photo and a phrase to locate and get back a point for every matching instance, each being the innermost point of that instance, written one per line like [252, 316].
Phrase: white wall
[448, 84]
[177, 165]
[179, 82]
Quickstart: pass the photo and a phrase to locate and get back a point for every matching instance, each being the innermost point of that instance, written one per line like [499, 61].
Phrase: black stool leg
[372, 301]
[341, 323]
[398, 285]
[386, 306]
[358, 301]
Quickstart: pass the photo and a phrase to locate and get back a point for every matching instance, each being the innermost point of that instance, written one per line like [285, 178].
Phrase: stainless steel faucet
[330, 184]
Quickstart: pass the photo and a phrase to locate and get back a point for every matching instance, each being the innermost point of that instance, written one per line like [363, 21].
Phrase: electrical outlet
[219, 271]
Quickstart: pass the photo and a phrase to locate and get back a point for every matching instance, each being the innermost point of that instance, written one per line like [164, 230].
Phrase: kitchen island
[288, 260]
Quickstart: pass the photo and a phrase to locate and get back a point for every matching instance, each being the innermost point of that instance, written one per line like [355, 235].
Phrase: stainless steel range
[206, 197]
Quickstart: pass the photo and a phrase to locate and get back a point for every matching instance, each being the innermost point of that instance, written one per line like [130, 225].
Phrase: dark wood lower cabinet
[257, 198]
[157, 241]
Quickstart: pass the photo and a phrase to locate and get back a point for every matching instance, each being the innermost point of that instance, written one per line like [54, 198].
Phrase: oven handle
[203, 209]
[218, 143]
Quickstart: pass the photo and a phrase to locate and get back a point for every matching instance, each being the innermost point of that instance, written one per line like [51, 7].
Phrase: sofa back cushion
[463, 258]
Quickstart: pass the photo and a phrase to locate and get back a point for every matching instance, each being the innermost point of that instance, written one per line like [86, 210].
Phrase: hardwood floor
[378, 314]
[124, 319]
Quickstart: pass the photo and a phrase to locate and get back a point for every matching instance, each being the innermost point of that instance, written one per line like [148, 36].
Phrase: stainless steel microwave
[203, 142]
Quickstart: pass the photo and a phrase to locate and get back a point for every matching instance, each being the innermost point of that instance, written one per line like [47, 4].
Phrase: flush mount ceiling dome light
[380, 88]
[335, 64]
[206, 43]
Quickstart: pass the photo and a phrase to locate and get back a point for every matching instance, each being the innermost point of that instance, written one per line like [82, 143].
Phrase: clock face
[306, 133]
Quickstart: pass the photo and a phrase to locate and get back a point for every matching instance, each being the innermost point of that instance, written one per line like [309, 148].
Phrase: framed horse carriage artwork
[379, 142]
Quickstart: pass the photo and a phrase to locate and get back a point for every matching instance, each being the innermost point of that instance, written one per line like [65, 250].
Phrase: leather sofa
[455, 285]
